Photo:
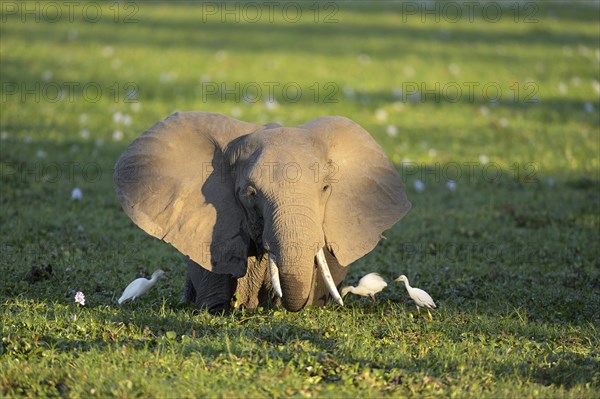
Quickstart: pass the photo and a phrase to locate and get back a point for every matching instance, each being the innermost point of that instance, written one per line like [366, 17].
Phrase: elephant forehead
[288, 155]
[287, 137]
[291, 143]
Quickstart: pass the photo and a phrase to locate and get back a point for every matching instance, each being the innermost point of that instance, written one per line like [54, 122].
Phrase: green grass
[513, 260]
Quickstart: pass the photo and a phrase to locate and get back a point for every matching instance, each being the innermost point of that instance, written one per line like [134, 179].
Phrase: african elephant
[261, 208]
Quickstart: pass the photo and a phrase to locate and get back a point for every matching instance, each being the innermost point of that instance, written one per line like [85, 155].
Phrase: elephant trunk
[295, 261]
[293, 238]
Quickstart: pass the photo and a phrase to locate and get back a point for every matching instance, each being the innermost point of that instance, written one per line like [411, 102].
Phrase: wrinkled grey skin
[226, 193]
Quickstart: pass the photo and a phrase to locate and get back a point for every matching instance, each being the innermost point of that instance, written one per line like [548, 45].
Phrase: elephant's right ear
[175, 184]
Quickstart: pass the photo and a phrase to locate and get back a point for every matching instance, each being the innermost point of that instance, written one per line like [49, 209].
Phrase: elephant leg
[208, 290]
[255, 289]
[189, 292]
[320, 293]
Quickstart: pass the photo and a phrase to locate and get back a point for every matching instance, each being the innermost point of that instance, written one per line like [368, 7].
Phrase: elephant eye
[250, 192]
[326, 187]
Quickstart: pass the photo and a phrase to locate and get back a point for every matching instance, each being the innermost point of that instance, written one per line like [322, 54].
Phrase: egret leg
[372, 298]
[429, 313]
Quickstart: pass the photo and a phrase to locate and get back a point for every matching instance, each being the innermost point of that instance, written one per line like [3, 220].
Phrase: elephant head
[223, 191]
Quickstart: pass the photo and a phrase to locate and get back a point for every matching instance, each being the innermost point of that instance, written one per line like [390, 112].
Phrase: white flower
[76, 194]
[271, 104]
[117, 135]
[451, 184]
[236, 112]
[107, 51]
[348, 91]
[484, 159]
[419, 186]
[363, 59]
[409, 71]
[550, 182]
[47, 75]
[392, 131]
[596, 86]
[126, 120]
[504, 122]
[432, 152]
[85, 133]
[41, 154]
[117, 117]
[398, 106]
[483, 110]
[381, 115]
[454, 69]
[589, 107]
[563, 88]
[221, 55]
[80, 298]
[4, 135]
[167, 77]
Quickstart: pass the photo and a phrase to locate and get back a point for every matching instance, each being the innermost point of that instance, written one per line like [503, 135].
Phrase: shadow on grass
[287, 342]
[191, 31]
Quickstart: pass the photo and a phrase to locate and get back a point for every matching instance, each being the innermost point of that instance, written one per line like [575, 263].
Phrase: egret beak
[324, 268]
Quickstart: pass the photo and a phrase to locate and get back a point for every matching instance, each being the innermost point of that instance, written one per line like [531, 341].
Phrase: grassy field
[505, 105]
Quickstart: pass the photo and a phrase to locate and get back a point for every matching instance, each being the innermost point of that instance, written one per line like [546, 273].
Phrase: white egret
[421, 298]
[368, 285]
[140, 286]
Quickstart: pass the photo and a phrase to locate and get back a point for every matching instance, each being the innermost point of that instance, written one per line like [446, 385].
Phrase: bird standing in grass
[421, 298]
[368, 285]
[140, 286]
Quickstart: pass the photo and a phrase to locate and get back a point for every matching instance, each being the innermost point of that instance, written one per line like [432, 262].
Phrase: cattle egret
[368, 285]
[140, 286]
[421, 298]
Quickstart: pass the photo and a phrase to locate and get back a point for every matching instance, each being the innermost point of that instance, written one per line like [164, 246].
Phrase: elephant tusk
[322, 263]
[274, 272]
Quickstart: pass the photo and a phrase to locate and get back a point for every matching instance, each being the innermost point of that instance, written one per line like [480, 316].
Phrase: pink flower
[80, 298]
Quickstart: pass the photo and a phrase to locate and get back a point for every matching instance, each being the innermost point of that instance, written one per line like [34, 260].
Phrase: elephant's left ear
[367, 193]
